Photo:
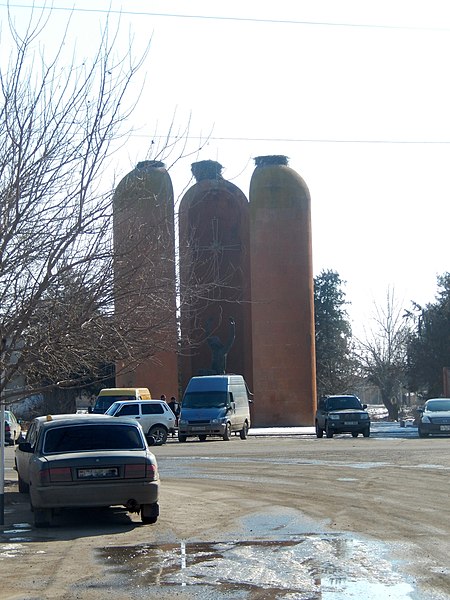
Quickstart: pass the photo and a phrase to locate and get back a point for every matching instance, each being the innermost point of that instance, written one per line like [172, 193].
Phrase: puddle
[11, 550]
[19, 528]
[309, 567]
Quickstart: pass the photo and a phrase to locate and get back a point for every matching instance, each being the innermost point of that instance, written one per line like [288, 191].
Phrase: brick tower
[145, 286]
[282, 296]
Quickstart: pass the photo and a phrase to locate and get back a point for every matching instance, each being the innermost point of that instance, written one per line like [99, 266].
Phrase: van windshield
[104, 402]
[205, 400]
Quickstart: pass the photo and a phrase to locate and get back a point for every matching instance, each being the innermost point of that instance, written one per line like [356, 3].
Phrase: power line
[224, 18]
[292, 140]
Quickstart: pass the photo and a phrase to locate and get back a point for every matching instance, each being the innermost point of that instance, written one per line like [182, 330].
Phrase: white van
[215, 405]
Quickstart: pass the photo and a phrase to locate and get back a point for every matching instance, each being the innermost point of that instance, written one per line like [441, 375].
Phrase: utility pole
[2, 454]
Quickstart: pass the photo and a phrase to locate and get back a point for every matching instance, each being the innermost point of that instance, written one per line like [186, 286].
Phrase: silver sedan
[435, 417]
[76, 461]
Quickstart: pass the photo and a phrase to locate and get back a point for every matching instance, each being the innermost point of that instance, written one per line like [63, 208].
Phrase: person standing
[175, 408]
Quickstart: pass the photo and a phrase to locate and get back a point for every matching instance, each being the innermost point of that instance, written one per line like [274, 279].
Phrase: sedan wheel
[42, 517]
[23, 487]
[159, 433]
[422, 434]
[149, 513]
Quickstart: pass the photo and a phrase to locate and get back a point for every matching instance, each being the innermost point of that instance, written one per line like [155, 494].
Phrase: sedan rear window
[79, 438]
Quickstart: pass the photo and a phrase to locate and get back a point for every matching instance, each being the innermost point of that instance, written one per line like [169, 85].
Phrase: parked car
[83, 461]
[13, 429]
[434, 417]
[155, 416]
[342, 414]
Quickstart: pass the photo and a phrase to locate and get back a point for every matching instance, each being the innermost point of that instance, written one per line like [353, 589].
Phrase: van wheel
[182, 438]
[159, 433]
[227, 432]
[244, 431]
[202, 438]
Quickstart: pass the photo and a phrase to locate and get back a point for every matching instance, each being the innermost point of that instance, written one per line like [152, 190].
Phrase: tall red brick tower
[284, 377]
[214, 269]
[145, 285]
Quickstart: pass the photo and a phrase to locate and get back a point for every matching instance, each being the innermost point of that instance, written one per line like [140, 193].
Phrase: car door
[130, 409]
[321, 413]
[22, 459]
[156, 413]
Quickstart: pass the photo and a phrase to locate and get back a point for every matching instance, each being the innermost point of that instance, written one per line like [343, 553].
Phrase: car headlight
[334, 417]
[364, 416]
[425, 419]
[182, 422]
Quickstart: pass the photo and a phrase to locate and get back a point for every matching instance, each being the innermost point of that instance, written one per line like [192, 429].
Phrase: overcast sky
[355, 93]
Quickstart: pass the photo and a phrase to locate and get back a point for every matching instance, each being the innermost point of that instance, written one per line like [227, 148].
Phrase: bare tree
[383, 353]
[59, 125]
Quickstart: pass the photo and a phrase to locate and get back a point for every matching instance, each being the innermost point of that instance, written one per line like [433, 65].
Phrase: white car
[154, 416]
[13, 430]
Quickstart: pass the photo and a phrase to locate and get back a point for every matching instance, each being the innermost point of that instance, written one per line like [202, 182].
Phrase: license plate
[98, 473]
[197, 428]
[350, 422]
[444, 427]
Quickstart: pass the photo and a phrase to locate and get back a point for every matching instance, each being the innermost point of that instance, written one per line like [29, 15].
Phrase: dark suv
[341, 414]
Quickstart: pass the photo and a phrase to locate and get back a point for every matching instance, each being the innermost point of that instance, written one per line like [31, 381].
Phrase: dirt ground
[395, 491]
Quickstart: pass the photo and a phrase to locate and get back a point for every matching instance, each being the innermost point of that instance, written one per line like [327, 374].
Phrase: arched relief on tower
[214, 247]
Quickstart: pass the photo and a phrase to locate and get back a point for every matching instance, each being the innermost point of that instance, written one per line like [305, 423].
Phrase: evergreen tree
[429, 345]
[334, 363]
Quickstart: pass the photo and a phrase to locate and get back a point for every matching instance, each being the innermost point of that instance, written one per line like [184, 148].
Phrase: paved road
[272, 517]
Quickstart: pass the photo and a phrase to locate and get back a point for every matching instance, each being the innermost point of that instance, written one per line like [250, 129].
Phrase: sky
[355, 93]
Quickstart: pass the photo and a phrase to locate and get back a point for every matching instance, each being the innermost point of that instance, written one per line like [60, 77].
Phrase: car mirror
[364, 406]
[89, 409]
[420, 409]
[25, 447]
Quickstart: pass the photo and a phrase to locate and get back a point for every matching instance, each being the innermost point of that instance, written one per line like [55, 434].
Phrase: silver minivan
[215, 405]
[155, 417]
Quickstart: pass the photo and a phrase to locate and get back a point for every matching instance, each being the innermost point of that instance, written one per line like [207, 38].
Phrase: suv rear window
[152, 409]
